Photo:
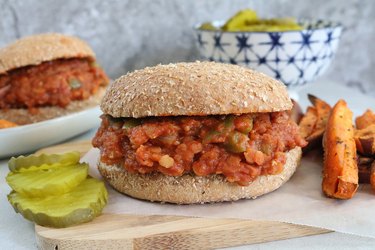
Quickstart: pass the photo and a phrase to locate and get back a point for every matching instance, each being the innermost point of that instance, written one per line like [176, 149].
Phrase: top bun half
[33, 50]
[198, 88]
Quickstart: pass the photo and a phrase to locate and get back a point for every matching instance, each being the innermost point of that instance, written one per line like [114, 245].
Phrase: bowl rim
[333, 25]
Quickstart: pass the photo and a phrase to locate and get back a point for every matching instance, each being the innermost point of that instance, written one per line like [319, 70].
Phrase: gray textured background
[131, 34]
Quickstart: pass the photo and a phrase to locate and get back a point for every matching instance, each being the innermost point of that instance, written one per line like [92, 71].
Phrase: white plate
[28, 138]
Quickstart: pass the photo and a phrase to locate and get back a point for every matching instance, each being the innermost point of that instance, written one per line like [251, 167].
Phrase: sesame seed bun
[23, 116]
[189, 189]
[34, 50]
[198, 88]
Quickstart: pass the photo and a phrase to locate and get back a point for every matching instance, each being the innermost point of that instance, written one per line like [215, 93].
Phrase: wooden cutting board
[129, 231]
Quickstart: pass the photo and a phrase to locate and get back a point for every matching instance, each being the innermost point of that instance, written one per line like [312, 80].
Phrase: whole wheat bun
[189, 189]
[198, 88]
[34, 50]
[189, 89]
[23, 116]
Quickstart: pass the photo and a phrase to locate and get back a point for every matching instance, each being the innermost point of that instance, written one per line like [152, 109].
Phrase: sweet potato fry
[318, 103]
[340, 170]
[7, 124]
[364, 160]
[365, 120]
[364, 168]
[313, 123]
[365, 140]
[364, 173]
[322, 111]
[308, 121]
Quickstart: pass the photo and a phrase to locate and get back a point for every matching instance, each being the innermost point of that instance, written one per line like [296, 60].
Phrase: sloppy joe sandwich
[197, 132]
[48, 75]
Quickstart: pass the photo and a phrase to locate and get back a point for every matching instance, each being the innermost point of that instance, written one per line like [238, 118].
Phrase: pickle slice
[82, 204]
[208, 26]
[240, 19]
[33, 162]
[52, 181]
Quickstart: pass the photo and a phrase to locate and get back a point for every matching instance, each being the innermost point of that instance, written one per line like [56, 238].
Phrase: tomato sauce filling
[239, 147]
[52, 83]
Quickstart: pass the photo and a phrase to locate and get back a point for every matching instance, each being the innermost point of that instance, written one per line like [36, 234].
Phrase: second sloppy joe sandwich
[197, 132]
[46, 76]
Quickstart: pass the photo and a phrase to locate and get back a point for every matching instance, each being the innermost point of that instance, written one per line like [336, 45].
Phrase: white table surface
[18, 233]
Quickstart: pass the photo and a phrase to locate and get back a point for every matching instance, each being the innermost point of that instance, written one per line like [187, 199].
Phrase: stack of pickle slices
[55, 190]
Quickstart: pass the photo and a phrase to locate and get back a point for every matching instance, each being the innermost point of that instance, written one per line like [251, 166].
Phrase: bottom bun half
[189, 189]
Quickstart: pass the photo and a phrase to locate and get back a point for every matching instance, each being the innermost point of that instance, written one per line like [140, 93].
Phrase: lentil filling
[239, 147]
[52, 83]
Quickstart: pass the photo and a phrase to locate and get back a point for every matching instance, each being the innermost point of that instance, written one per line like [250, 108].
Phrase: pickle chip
[247, 20]
[208, 26]
[81, 204]
[45, 161]
[240, 19]
[52, 181]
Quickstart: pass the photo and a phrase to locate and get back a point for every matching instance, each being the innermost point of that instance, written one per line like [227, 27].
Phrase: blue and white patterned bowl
[293, 57]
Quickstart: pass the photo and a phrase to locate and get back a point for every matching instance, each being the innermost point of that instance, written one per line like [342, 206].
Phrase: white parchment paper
[299, 201]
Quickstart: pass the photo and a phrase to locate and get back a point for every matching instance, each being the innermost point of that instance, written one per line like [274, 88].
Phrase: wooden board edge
[190, 233]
